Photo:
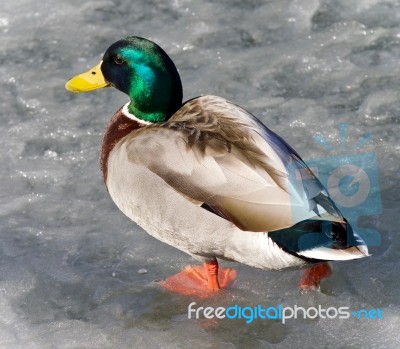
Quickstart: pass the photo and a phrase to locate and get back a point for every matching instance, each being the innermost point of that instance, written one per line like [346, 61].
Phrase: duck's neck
[121, 124]
[155, 94]
[146, 116]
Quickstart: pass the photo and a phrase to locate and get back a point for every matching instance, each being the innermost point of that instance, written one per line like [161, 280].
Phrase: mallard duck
[209, 178]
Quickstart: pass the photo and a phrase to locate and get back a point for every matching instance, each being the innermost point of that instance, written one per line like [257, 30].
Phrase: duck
[211, 179]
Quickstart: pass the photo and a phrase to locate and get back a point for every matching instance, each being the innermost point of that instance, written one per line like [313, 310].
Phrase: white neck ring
[126, 112]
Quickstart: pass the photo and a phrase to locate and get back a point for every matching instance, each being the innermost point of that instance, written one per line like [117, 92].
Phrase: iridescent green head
[142, 70]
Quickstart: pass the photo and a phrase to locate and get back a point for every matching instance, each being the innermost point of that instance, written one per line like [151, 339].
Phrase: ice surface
[70, 262]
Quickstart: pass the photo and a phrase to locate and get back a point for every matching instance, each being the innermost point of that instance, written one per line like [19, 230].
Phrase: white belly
[170, 217]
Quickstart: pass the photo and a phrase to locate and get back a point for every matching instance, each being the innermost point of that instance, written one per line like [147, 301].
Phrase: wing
[223, 158]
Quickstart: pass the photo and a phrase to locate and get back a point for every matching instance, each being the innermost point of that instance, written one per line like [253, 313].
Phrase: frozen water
[75, 273]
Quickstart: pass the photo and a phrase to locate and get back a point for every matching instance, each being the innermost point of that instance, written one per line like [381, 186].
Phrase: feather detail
[215, 152]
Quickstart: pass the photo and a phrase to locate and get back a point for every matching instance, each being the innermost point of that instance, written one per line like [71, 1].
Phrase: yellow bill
[93, 79]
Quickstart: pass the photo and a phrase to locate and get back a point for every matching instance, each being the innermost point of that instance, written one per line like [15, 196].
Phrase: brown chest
[118, 127]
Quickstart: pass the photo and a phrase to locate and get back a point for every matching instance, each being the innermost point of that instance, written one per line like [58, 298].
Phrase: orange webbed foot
[201, 281]
[311, 278]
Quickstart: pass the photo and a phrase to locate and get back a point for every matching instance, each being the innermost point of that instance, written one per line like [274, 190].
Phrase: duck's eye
[118, 60]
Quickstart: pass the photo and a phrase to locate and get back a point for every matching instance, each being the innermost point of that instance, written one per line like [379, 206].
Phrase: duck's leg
[202, 281]
[211, 269]
[311, 278]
